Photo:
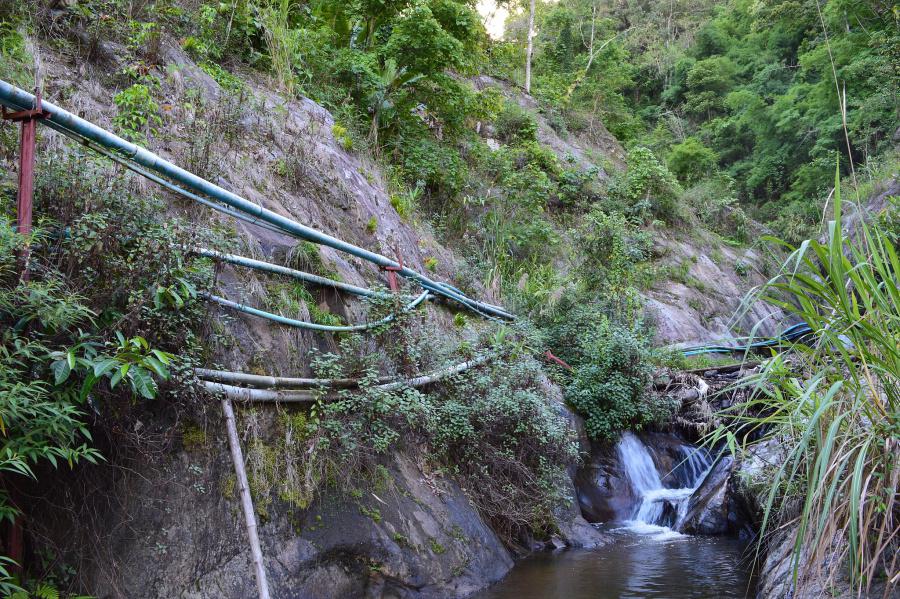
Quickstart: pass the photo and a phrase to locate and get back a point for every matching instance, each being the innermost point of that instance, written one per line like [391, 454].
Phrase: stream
[648, 557]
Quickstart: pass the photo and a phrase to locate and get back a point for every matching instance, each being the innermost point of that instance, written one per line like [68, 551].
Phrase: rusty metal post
[392, 271]
[25, 195]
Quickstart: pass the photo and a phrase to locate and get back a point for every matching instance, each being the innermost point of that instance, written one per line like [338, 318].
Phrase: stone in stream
[715, 508]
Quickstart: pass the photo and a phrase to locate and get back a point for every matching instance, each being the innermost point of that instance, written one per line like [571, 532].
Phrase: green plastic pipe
[67, 123]
[302, 324]
[290, 272]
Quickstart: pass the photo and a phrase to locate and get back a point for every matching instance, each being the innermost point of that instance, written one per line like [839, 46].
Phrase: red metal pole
[24, 204]
[25, 196]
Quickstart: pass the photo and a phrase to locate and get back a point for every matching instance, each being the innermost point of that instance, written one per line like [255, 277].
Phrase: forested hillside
[748, 102]
[619, 202]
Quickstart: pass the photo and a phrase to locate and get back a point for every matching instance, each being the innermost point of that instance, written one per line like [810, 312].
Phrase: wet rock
[602, 489]
[556, 543]
[669, 514]
[574, 530]
[579, 534]
[708, 507]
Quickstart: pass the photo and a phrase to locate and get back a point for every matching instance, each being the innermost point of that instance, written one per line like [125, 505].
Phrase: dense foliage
[491, 428]
[768, 93]
[724, 109]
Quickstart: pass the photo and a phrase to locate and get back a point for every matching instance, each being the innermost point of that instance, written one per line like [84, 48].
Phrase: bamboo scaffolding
[291, 390]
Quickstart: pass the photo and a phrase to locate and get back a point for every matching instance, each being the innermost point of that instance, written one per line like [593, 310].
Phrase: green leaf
[157, 367]
[142, 382]
[61, 371]
[162, 356]
[115, 378]
[104, 366]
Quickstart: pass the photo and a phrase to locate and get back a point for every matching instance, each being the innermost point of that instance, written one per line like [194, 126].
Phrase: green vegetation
[138, 115]
[758, 91]
[491, 428]
[832, 409]
[103, 318]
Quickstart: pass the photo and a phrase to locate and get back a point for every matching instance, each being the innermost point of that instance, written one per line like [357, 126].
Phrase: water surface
[639, 565]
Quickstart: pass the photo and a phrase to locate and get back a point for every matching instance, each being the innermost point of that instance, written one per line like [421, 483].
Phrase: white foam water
[658, 506]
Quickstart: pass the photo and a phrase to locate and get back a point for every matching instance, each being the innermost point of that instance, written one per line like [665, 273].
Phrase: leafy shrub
[610, 384]
[406, 201]
[506, 60]
[611, 250]
[495, 429]
[138, 113]
[420, 44]
[438, 166]
[691, 161]
[716, 205]
[514, 124]
[487, 105]
[342, 136]
[647, 188]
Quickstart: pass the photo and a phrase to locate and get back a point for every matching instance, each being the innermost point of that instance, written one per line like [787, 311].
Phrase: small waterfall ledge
[660, 510]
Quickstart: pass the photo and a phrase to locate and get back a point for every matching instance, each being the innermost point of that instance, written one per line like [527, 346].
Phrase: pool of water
[643, 562]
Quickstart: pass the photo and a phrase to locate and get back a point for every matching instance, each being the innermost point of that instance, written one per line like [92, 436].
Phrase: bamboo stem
[254, 395]
[284, 390]
[246, 501]
[275, 382]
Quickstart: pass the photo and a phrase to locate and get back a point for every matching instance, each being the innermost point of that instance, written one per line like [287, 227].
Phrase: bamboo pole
[279, 389]
[258, 395]
[246, 501]
[276, 382]
[427, 379]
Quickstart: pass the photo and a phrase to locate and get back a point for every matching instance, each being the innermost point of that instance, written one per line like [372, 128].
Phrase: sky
[494, 17]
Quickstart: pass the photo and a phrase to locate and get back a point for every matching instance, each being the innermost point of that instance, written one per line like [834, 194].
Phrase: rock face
[185, 538]
[579, 149]
[602, 489]
[700, 305]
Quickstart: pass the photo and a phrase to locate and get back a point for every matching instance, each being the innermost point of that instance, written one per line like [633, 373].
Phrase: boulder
[708, 507]
[601, 487]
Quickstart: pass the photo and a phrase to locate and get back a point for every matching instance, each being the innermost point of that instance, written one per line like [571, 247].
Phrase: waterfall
[660, 509]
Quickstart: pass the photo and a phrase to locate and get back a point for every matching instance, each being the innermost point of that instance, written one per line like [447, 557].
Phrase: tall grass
[282, 41]
[830, 404]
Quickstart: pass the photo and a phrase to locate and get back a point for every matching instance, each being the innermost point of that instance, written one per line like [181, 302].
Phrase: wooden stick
[246, 501]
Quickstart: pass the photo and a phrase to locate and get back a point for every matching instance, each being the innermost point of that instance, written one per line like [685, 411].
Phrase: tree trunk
[530, 47]
[246, 501]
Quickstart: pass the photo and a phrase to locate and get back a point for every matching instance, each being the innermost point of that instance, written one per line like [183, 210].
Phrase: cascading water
[648, 558]
[659, 509]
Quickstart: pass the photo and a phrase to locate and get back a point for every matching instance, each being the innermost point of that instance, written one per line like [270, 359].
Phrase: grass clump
[831, 405]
